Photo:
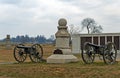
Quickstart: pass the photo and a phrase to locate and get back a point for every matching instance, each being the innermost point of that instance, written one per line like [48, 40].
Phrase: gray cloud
[10, 1]
[35, 17]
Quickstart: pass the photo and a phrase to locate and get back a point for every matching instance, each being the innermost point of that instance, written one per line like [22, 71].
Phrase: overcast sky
[40, 17]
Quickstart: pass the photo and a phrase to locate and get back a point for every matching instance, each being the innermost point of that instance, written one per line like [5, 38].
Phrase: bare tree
[97, 29]
[91, 26]
[88, 23]
[73, 29]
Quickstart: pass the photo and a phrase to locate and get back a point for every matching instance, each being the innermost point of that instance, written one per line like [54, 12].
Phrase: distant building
[78, 40]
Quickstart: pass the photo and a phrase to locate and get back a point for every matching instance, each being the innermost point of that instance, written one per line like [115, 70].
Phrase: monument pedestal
[59, 58]
[62, 52]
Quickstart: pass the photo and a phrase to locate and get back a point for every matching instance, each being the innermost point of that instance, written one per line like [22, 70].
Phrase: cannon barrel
[23, 47]
[94, 45]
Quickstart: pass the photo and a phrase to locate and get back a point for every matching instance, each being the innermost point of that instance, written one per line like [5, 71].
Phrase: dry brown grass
[44, 70]
[71, 70]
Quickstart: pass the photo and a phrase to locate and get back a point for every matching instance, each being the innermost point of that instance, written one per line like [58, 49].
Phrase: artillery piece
[108, 52]
[35, 52]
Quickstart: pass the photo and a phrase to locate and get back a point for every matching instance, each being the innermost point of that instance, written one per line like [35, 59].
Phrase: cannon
[108, 52]
[21, 51]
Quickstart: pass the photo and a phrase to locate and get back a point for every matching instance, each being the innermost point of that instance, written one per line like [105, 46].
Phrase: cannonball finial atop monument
[62, 22]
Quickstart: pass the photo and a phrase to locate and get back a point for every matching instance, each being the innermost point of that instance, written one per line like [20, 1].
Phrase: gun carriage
[35, 52]
[108, 52]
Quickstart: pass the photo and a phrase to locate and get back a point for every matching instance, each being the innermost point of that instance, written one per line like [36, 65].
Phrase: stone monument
[8, 43]
[62, 52]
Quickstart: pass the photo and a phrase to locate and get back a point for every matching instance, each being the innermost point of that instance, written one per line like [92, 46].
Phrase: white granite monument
[62, 52]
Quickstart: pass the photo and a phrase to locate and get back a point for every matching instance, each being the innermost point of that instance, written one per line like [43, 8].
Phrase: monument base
[60, 58]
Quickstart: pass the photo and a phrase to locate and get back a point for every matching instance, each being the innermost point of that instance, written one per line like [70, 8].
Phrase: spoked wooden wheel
[110, 54]
[19, 54]
[36, 53]
[88, 54]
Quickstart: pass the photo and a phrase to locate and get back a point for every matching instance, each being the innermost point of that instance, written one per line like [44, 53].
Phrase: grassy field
[44, 70]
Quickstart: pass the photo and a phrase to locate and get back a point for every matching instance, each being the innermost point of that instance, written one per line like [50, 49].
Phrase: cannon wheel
[19, 54]
[36, 53]
[88, 54]
[110, 53]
